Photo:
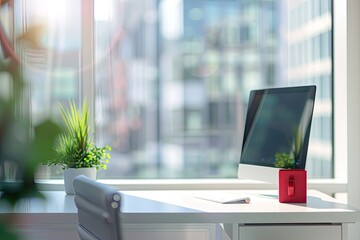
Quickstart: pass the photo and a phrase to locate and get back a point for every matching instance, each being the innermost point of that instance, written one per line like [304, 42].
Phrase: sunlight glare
[56, 11]
[102, 10]
[52, 12]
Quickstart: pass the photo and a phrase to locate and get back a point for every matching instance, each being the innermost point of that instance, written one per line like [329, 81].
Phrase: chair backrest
[98, 210]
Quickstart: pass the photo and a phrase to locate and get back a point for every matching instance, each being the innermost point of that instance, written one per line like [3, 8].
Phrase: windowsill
[328, 186]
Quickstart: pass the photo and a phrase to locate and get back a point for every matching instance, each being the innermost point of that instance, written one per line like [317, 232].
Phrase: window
[172, 77]
[186, 68]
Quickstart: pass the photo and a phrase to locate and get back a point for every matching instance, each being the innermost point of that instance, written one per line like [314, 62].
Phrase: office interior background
[169, 80]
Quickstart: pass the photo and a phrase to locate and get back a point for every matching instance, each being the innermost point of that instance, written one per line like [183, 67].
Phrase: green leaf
[7, 234]
[46, 135]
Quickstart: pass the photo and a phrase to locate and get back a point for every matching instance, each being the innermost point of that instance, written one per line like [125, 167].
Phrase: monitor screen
[277, 126]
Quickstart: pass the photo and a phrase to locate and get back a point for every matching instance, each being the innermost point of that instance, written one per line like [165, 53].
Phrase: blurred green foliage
[22, 147]
[284, 160]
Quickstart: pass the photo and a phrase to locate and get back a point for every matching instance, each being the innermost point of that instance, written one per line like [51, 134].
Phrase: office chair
[98, 210]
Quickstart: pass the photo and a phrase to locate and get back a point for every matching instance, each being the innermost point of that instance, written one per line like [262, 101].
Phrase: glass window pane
[52, 69]
[173, 78]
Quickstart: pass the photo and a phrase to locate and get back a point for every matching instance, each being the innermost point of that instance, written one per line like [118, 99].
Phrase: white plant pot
[71, 173]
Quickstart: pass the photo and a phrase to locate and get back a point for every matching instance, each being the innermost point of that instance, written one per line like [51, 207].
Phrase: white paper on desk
[224, 198]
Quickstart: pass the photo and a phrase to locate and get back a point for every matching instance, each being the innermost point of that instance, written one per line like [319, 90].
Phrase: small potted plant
[292, 182]
[76, 152]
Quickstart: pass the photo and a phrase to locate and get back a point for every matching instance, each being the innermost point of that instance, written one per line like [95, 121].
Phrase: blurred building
[309, 41]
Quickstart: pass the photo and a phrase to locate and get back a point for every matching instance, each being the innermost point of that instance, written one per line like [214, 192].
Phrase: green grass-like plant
[75, 148]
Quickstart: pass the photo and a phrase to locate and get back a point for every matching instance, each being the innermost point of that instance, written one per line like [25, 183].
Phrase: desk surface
[184, 207]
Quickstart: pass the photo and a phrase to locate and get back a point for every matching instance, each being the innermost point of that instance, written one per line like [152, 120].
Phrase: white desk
[163, 213]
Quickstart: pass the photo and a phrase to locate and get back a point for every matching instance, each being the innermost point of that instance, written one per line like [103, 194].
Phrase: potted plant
[292, 181]
[76, 152]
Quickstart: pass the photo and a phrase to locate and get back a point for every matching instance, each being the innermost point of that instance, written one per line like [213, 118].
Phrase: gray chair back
[98, 210]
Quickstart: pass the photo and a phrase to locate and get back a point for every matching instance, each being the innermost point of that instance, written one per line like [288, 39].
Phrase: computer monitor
[278, 121]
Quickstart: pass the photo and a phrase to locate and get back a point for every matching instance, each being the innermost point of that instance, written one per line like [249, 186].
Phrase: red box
[292, 185]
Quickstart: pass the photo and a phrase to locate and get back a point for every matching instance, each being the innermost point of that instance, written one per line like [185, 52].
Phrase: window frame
[351, 50]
